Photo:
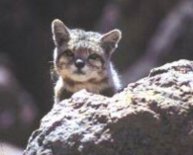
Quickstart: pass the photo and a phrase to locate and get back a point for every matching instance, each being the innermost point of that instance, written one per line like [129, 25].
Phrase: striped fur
[95, 73]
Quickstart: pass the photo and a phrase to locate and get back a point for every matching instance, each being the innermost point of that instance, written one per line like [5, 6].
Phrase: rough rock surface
[153, 116]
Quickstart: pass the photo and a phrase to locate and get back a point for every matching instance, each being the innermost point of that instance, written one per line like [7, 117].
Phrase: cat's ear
[110, 40]
[60, 32]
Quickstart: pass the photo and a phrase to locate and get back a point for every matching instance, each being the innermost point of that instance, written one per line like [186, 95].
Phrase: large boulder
[153, 116]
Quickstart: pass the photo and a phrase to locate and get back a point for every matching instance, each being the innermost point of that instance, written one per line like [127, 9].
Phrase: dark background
[154, 32]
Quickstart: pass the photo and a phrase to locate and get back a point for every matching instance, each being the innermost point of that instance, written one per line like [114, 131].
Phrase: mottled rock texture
[153, 116]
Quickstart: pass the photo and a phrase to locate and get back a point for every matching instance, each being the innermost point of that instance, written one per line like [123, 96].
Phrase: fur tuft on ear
[110, 40]
[60, 32]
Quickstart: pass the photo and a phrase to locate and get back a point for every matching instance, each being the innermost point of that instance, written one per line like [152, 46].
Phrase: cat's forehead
[81, 35]
[80, 39]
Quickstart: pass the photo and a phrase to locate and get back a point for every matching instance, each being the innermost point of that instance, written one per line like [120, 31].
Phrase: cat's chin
[79, 72]
[79, 77]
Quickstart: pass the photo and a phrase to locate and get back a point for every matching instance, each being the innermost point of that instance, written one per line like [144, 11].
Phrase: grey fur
[98, 75]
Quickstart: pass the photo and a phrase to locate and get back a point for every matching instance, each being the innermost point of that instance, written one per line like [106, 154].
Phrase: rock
[153, 116]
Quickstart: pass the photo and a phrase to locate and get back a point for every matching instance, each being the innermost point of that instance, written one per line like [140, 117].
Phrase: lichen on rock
[152, 116]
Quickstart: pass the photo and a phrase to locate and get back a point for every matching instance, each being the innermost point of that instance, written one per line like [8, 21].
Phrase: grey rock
[153, 116]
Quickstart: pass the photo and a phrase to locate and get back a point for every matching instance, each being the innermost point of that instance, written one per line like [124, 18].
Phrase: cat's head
[82, 55]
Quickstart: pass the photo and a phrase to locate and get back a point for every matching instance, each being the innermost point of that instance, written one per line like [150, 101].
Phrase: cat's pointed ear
[60, 32]
[110, 40]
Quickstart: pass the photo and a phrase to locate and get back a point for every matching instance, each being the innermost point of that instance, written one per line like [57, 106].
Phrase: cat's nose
[79, 63]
